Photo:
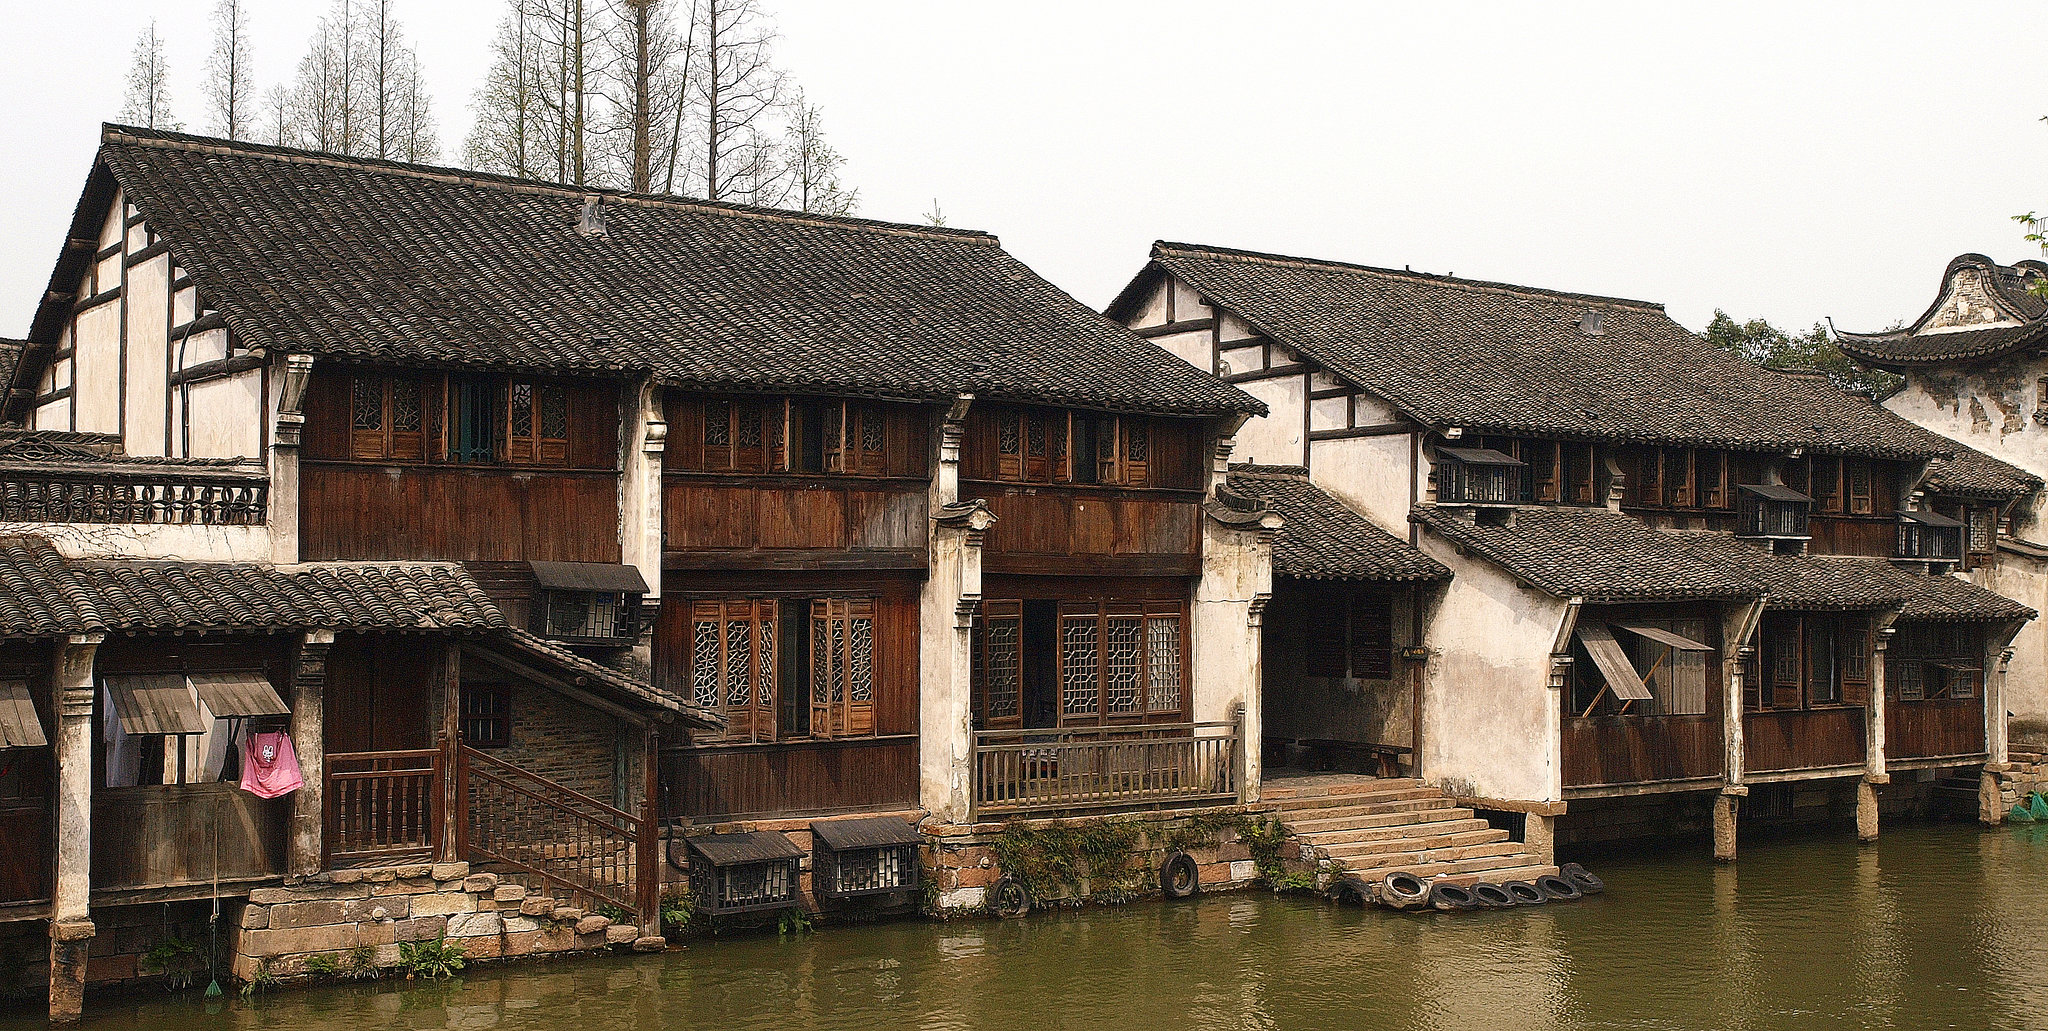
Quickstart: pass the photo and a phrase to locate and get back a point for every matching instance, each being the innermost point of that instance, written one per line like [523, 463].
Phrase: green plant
[262, 982]
[362, 964]
[611, 911]
[793, 921]
[1052, 860]
[676, 909]
[163, 958]
[1263, 839]
[430, 958]
[1199, 831]
[323, 965]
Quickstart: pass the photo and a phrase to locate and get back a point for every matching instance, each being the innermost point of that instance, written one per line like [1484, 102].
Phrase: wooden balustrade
[579, 850]
[1023, 770]
[1933, 728]
[135, 493]
[383, 806]
[1803, 739]
[1610, 750]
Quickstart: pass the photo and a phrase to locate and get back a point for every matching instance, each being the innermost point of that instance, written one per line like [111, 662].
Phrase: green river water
[1935, 927]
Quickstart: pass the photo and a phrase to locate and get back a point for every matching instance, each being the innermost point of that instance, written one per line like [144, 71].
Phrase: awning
[19, 727]
[589, 576]
[1957, 667]
[159, 703]
[238, 694]
[871, 832]
[1622, 678]
[1775, 492]
[740, 848]
[1925, 518]
[1666, 637]
[1480, 456]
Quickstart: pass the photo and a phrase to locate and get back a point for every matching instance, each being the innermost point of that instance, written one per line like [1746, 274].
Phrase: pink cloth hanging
[269, 766]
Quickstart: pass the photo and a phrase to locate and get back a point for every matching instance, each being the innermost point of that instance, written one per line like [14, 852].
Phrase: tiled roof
[381, 261]
[2021, 321]
[10, 354]
[43, 594]
[1511, 359]
[1325, 539]
[590, 673]
[1607, 556]
[1973, 473]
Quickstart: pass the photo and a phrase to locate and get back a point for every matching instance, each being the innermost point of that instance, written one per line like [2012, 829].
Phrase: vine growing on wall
[1056, 860]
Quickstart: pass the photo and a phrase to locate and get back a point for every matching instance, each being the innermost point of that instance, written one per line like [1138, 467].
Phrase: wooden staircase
[1371, 827]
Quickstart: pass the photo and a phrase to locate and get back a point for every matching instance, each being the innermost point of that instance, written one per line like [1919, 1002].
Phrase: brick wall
[571, 744]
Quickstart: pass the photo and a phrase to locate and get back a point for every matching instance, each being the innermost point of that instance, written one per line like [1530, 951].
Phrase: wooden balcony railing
[1802, 739]
[1018, 771]
[577, 849]
[1934, 728]
[383, 806]
[1612, 750]
[209, 494]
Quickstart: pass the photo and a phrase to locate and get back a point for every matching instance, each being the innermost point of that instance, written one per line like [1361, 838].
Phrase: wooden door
[25, 818]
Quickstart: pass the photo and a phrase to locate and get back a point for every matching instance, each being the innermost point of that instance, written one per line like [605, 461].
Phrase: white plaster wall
[54, 416]
[1335, 708]
[99, 369]
[225, 416]
[1187, 304]
[1489, 718]
[1195, 348]
[1329, 413]
[2025, 580]
[153, 540]
[1230, 327]
[1274, 438]
[1153, 311]
[1370, 410]
[110, 225]
[1243, 359]
[1224, 645]
[1371, 474]
[147, 301]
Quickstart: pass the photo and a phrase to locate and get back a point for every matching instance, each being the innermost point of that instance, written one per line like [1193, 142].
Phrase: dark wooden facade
[27, 790]
[528, 476]
[1658, 741]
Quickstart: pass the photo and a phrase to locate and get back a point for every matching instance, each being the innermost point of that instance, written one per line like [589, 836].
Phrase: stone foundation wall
[962, 861]
[2026, 773]
[1686, 815]
[119, 951]
[280, 931]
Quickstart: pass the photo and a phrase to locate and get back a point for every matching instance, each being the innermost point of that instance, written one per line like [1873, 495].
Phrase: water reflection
[1936, 926]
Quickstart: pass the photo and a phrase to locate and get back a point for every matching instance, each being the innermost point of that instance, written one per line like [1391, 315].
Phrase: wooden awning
[1480, 456]
[157, 703]
[1622, 678]
[238, 694]
[1775, 492]
[1666, 637]
[1926, 518]
[19, 727]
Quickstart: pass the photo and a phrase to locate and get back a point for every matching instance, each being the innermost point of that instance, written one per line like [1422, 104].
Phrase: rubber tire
[1557, 889]
[1404, 889]
[1007, 897]
[1524, 893]
[1179, 877]
[1451, 897]
[1583, 879]
[1492, 896]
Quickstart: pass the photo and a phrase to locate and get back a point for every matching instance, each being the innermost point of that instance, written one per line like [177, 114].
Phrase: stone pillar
[1866, 811]
[946, 606]
[1874, 712]
[71, 928]
[283, 504]
[1539, 835]
[1726, 805]
[1990, 807]
[640, 492]
[307, 849]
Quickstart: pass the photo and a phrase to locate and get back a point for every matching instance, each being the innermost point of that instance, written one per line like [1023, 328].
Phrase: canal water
[1936, 927]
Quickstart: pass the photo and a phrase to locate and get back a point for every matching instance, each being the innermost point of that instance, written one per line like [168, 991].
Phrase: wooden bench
[1360, 756]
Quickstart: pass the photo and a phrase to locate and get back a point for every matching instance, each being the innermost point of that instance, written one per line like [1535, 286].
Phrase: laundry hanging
[269, 766]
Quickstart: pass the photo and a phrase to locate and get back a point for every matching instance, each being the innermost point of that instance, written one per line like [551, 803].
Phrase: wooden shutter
[1008, 429]
[1037, 447]
[999, 664]
[1678, 481]
[836, 442]
[1323, 627]
[717, 435]
[1860, 501]
[1854, 663]
[1166, 659]
[870, 443]
[843, 666]
[520, 444]
[1058, 427]
[1712, 469]
[1542, 456]
[369, 416]
[1786, 681]
[1080, 662]
[750, 436]
[733, 662]
[1107, 448]
[1137, 451]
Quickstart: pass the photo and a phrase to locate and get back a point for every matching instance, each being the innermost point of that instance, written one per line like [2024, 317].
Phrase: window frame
[476, 725]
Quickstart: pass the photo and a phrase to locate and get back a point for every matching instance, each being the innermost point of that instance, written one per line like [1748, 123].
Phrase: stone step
[1490, 864]
[1351, 798]
[1420, 810]
[1428, 856]
[1406, 828]
[1276, 790]
[1421, 846]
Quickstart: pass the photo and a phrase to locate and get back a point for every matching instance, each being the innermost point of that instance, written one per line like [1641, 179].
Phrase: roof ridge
[1474, 285]
[162, 139]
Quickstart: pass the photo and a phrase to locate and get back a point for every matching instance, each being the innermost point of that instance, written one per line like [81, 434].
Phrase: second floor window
[1051, 445]
[794, 435]
[417, 416]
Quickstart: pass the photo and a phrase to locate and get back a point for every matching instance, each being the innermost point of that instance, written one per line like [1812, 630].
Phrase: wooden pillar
[647, 854]
[453, 804]
[308, 850]
[71, 927]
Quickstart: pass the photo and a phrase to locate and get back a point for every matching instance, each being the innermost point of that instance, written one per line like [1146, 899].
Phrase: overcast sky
[1787, 160]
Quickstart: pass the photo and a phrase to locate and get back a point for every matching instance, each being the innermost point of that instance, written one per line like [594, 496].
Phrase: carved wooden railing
[383, 806]
[133, 492]
[534, 831]
[1097, 767]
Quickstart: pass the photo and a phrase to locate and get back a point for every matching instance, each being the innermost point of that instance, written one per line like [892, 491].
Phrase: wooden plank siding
[1865, 536]
[722, 521]
[1090, 530]
[1603, 751]
[790, 778]
[1802, 739]
[354, 512]
[1934, 727]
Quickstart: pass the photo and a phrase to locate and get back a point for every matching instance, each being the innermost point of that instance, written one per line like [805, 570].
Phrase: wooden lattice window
[998, 672]
[733, 664]
[1678, 478]
[842, 667]
[1579, 462]
[1983, 527]
[1121, 661]
[1826, 484]
[537, 424]
[1711, 467]
[1542, 456]
[388, 417]
[1861, 498]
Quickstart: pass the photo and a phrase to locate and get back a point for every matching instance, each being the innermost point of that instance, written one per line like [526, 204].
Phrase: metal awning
[1622, 678]
[1480, 456]
[19, 727]
[157, 703]
[1666, 637]
[1775, 492]
[589, 576]
[1925, 518]
[238, 694]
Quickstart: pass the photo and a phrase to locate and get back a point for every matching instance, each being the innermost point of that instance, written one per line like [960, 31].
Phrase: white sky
[1786, 160]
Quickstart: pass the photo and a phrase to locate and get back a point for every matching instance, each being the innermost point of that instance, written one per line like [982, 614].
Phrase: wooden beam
[819, 559]
[1384, 429]
[1169, 329]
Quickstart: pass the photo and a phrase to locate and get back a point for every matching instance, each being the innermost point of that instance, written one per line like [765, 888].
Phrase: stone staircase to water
[1371, 827]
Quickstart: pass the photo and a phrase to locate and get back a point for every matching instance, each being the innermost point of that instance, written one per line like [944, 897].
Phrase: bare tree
[396, 105]
[320, 97]
[737, 92]
[640, 85]
[814, 164]
[149, 84]
[230, 86]
[505, 137]
[417, 138]
[278, 127]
